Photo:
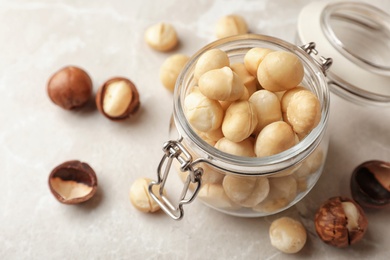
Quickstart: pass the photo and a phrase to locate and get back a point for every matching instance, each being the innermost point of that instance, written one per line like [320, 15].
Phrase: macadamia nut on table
[161, 37]
[288, 235]
[230, 25]
[70, 87]
[140, 198]
[170, 70]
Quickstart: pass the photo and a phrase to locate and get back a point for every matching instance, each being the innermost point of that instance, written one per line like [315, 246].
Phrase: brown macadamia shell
[73, 182]
[338, 227]
[70, 87]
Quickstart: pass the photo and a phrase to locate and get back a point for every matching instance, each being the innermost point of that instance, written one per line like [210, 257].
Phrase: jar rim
[253, 165]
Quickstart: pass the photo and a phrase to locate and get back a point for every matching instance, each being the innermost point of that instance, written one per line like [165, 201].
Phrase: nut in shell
[117, 99]
[70, 87]
[73, 182]
[340, 222]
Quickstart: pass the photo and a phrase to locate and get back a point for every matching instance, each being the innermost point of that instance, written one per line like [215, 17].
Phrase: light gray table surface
[37, 37]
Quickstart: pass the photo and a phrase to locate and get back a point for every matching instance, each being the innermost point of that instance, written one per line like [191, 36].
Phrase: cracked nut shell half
[73, 182]
[370, 184]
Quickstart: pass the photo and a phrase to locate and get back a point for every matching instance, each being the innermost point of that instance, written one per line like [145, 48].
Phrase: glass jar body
[250, 186]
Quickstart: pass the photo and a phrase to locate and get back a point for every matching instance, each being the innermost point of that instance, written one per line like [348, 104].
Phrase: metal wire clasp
[175, 150]
[323, 62]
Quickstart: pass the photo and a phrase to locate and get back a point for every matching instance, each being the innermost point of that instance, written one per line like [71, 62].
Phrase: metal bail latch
[175, 150]
[323, 62]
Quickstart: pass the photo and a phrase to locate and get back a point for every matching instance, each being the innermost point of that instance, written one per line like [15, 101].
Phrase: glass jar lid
[357, 37]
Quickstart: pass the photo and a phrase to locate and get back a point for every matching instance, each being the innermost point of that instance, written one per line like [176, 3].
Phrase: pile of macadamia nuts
[254, 108]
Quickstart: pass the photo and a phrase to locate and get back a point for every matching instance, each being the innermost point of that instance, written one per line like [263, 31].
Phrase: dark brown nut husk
[370, 184]
[117, 98]
[340, 222]
[73, 182]
[70, 87]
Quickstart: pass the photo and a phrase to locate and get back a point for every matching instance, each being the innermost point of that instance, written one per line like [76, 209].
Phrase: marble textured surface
[37, 37]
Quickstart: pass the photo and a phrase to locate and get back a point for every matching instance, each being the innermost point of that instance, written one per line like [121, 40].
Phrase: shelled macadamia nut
[210, 60]
[221, 84]
[254, 57]
[248, 79]
[303, 112]
[170, 70]
[287, 95]
[239, 122]
[279, 71]
[117, 99]
[161, 37]
[214, 135]
[274, 138]
[140, 197]
[231, 25]
[215, 196]
[243, 148]
[246, 191]
[70, 87]
[267, 107]
[282, 190]
[203, 113]
[288, 235]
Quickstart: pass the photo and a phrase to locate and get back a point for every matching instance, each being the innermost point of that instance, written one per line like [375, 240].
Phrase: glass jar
[357, 37]
[290, 174]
